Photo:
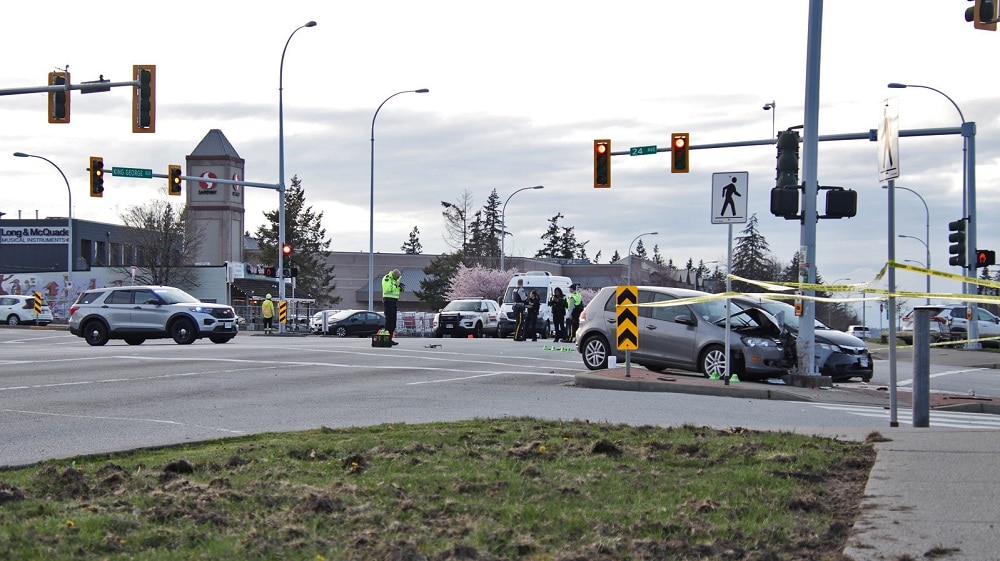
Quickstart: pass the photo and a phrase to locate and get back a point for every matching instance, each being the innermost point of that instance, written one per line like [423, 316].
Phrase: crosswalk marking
[938, 418]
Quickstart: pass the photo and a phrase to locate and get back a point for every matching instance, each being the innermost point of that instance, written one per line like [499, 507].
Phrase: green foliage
[304, 230]
[412, 246]
[435, 286]
[510, 488]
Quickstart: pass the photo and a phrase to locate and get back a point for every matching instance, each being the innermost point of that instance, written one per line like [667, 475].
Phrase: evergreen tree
[412, 246]
[615, 258]
[640, 250]
[304, 231]
[751, 259]
[597, 258]
[552, 238]
[456, 224]
[435, 286]
[657, 258]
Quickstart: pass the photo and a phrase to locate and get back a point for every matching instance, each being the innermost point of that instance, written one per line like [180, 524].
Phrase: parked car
[938, 327]
[468, 316]
[686, 336]
[359, 323]
[137, 313]
[20, 308]
[953, 317]
[860, 331]
[838, 355]
[316, 321]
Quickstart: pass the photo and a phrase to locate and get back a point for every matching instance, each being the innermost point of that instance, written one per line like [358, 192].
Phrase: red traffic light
[601, 148]
[602, 163]
[680, 142]
[679, 152]
[287, 249]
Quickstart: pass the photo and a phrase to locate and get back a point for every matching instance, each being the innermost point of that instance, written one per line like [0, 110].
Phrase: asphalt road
[60, 397]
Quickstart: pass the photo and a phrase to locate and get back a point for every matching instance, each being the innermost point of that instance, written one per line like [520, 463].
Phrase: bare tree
[163, 240]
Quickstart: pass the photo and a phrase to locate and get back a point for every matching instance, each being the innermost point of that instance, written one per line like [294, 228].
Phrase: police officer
[391, 287]
[575, 308]
[267, 312]
[520, 299]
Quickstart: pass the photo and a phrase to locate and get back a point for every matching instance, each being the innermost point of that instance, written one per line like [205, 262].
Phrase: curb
[597, 382]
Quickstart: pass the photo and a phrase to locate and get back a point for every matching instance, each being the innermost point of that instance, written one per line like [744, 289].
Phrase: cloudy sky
[518, 92]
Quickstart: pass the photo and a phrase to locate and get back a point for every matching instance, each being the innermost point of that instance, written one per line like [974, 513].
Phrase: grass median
[483, 489]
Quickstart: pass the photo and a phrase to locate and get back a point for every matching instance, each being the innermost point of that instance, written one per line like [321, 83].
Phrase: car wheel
[134, 340]
[595, 352]
[13, 319]
[713, 359]
[183, 331]
[341, 331]
[220, 339]
[96, 333]
[477, 332]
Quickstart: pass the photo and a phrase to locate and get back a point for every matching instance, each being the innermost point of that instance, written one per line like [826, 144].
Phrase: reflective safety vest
[390, 287]
[267, 309]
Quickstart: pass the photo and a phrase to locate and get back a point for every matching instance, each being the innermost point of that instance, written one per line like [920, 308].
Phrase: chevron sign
[627, 312]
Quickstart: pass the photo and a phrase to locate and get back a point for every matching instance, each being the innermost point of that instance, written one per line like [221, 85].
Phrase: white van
[542, 282]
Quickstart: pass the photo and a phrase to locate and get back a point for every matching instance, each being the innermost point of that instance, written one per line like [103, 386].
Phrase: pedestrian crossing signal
[679, 147]
[985, 257]
[602, 163]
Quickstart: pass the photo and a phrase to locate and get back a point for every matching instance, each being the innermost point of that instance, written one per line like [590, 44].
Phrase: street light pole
[503, 220]
[926, 264]
[628, 279]
[927, 233]
[69, 219]
[281, 169]
[371, 203]
[968, 200]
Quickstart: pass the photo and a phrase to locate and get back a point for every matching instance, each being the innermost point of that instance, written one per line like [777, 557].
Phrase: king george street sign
[132, 172]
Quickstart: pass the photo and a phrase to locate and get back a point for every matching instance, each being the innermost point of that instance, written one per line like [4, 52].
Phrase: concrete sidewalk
[933, 493]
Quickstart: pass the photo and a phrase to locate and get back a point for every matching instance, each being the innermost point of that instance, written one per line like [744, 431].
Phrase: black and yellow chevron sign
[282, 312]
[38, 303]
[627, 311]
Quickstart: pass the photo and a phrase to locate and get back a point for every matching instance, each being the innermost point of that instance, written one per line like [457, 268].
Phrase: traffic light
[174, 180]
[785, 194]
[983, 15]
[602, 163]
[144, 98]
[840, 203]
[59, 100]
[957, 247]
[985, 257]
[679, 147]
[96, 176]
[287, 250]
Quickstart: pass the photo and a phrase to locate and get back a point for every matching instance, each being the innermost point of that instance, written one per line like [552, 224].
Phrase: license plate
[449, 326]
[863, 362]
[227, 325]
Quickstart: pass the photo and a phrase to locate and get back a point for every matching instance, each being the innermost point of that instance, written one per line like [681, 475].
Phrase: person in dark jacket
[531, 308]
[558, 304]
[520, 299]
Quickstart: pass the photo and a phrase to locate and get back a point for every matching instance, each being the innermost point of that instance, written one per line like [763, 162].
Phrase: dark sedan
[359, 323]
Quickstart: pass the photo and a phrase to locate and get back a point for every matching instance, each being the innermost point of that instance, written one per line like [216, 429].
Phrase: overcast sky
[518, 92]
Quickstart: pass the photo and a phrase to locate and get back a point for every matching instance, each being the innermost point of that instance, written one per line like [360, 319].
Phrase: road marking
[937, 418]
[910, 381]
[129, 419]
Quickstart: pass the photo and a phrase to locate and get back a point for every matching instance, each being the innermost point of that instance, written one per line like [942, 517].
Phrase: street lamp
[628, 279]
[69, 218]
[773, 108]
[281, 169]
[927, 233]
[927, 264]
[371, 204]
[968, 198]
[503, 220]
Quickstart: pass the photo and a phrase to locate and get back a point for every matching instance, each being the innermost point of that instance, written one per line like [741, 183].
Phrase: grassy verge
[484, 489]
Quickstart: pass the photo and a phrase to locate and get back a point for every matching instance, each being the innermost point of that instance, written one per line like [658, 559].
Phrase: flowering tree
[479, 281]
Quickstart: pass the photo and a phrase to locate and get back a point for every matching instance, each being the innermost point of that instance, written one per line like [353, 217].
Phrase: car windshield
[462, 306]
[341, 315]
[175, 296]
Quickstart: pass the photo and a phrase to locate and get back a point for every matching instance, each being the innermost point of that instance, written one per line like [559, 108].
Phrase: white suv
[15, 309]
[137, 313]
[468, 316]
[958, 326]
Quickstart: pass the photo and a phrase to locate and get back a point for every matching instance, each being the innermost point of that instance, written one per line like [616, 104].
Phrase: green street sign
[641, 150]
[132, 172]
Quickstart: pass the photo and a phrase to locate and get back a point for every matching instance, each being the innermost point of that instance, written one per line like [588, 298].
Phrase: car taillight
[73, 309]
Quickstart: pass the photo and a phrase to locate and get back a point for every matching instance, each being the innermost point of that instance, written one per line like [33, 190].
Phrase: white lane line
[908, 382]
[140, 379]
[128, 419]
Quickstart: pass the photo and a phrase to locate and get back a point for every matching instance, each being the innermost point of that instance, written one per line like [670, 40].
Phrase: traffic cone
[546, 348]
[734, 378]
[714, 375]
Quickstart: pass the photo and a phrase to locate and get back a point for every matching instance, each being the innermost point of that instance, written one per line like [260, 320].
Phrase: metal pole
[503, 220]
[891, 236]
[69, 226]
[371, 203]
[921, 367]
[281, 169]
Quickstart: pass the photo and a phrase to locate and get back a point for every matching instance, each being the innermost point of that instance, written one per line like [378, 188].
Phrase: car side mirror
[684, 319]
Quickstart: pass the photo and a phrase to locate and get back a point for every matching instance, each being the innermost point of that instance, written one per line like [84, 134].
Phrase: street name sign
[132, 172]
[641, 150]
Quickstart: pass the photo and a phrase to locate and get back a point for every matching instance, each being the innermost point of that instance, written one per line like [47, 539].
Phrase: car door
[666, 333]
[989, 326]
[117, 309]
[148, 312]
